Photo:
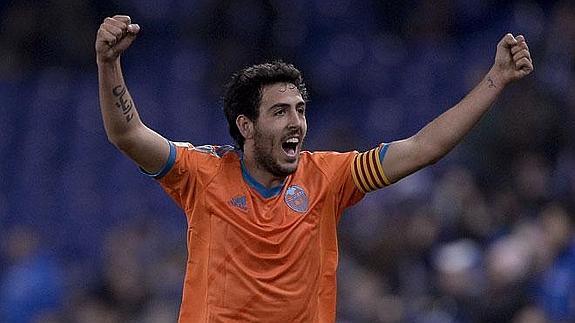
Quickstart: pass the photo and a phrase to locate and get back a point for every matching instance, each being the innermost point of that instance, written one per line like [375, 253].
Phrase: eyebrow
[284, 105]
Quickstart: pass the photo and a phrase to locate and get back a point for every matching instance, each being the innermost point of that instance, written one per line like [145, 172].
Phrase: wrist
[496, 79]
[108, 63]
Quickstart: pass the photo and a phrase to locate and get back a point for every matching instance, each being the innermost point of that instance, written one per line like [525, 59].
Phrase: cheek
[265, 137]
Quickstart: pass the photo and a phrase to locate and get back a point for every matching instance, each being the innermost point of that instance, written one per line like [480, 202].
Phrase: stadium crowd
[485, 235]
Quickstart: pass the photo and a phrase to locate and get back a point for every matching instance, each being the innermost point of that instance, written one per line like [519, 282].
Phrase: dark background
[485, 235]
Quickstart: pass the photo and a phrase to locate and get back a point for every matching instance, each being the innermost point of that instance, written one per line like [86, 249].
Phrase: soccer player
[262, 216]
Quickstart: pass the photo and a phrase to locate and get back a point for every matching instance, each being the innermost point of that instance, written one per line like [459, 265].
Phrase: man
[262, 218]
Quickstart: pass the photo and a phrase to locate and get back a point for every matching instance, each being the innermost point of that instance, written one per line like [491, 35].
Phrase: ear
[246, 126]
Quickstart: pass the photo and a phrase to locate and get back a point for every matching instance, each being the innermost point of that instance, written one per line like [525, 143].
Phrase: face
[280, 129]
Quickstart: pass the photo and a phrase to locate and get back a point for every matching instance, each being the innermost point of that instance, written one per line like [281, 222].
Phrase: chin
[287, 168]
[291, 169]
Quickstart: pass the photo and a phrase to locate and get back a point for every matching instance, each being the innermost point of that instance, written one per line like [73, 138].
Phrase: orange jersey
[257, 254]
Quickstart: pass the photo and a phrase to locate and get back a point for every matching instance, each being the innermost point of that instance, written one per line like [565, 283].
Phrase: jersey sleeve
[354, 174]
[336, 167]
[186, 169]
[176, 177]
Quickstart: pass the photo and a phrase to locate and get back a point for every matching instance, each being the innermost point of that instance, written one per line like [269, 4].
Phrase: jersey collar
[261, 189]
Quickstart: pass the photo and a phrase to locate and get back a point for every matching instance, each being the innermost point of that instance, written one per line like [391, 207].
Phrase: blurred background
[485, 235]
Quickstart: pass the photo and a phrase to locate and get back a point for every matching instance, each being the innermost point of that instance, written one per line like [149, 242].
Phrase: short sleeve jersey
[257, 254]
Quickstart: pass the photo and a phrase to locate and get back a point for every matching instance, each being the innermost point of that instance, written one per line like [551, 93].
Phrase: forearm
[116, 105]
[512, 62]
[121, 120]
[442, 134]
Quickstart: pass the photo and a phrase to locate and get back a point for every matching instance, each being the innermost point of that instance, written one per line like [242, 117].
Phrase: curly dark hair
[244, 91]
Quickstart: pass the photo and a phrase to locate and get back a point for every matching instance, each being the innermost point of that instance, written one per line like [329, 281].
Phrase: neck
[260, 174]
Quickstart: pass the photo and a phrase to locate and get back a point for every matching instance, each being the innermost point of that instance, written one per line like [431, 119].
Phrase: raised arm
[121, 120]
[436, 139]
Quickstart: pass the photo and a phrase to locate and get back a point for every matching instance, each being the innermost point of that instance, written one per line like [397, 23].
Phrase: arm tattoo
[123, 104]
[491, 83]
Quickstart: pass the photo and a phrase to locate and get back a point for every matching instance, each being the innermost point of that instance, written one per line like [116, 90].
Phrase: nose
[296, 120]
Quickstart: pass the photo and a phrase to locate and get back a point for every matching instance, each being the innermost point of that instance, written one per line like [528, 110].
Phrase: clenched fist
[512, 60]
[115, 35]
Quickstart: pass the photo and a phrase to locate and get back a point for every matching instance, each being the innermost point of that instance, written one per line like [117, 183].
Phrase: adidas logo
[240, 202]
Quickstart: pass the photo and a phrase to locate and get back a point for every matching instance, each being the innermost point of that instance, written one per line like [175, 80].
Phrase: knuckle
[117, 32]
[122, 16]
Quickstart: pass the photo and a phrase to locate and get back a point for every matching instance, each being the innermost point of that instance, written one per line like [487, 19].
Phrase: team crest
[296, 199]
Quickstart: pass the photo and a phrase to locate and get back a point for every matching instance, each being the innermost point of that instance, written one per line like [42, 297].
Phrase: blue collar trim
[262, 190]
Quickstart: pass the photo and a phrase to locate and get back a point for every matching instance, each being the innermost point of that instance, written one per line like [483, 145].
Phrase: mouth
[290, 147]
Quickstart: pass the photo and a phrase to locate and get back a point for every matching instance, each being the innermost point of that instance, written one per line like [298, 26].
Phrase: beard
[263, 153]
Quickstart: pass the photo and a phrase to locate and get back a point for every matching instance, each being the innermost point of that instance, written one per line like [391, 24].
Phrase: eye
[301, 109]
[280, 112]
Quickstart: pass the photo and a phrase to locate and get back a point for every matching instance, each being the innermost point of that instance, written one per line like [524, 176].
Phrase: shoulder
[214, 150]
[183, 145]
[329, 157]
[328, 162]
[205, 152]
[330, 171]
[204, 158]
